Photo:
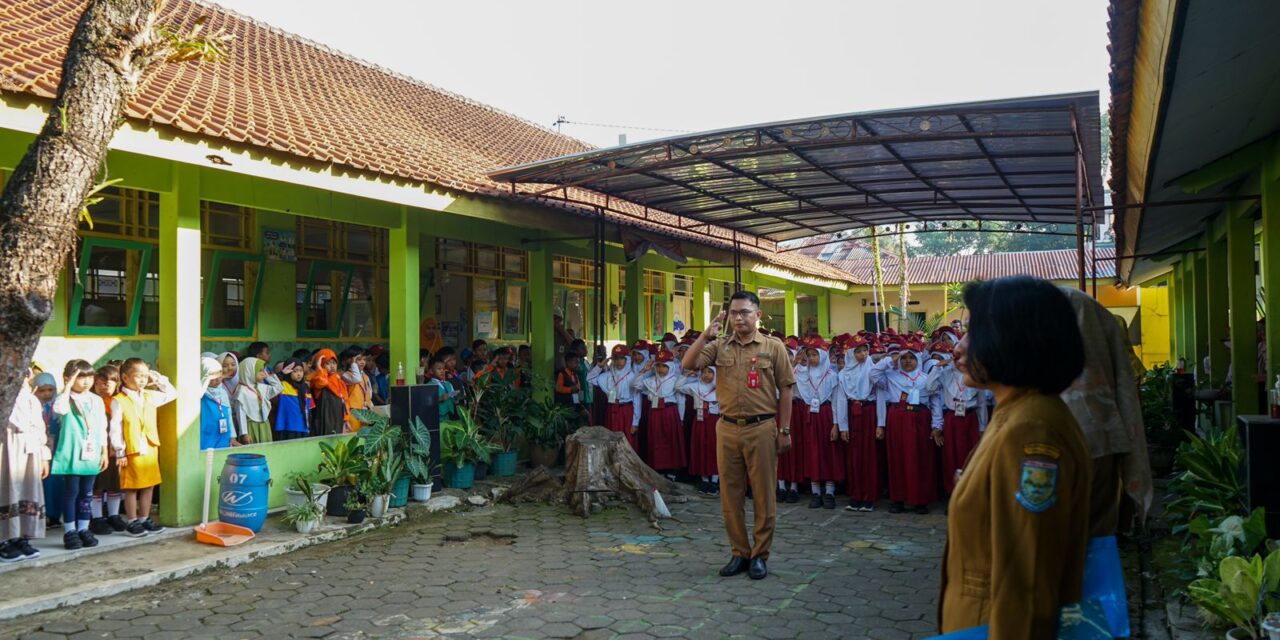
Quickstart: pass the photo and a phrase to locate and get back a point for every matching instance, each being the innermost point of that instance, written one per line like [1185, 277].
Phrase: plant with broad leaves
[1243, 593]
[1211, 483]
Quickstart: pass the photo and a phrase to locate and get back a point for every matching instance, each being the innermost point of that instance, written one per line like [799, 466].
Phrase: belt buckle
[741, 422]
[911, 407]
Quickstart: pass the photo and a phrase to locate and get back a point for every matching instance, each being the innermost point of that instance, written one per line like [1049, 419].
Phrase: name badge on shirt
[913, 396]
[960, 408]
[655, 402]
[702, 412]
[613, 395]
[814, 405]
[222, 425]
[89, 449]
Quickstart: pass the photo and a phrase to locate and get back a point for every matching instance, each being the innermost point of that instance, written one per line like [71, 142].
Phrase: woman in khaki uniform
[1019, 517]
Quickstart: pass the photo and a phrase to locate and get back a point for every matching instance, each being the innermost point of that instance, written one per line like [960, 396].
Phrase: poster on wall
[280, 244]
[484, 324]
[450, 329]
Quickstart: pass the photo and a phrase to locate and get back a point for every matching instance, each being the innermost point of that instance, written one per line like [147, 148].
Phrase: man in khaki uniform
[754, 386]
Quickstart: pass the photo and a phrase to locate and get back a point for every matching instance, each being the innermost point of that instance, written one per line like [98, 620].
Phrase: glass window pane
[110, 275]
[514, 265]
[106, 214]
[232, 295]
[149, 321]
[454, 255]
[320, 310]
[484, 297]
[513, 310]
[361, 319]
[359, 243]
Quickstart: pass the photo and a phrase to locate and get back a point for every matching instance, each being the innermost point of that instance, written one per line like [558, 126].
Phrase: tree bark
[904, 286]
[600, 468]
[40, 205]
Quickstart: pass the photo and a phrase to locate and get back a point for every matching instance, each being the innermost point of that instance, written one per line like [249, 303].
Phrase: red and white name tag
[753, 376]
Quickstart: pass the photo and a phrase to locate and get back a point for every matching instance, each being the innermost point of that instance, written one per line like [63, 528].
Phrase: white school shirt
[855, 381]
[660, 387]
[951, 390]
[616, 384]
[115, 431]
[703, 394]
[894, 383]
[816, 385]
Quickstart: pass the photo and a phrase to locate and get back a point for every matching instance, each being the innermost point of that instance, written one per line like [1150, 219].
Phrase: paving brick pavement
[539, 572]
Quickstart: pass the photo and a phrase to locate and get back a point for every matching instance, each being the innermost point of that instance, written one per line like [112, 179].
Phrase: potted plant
[462, 446]
[304, 516]
[1242, 595]
[500, 409]
[548, 425]
[357, 507]
[383, 474]
[302, 489]
[417, 460]
[1163, 435]
[340, 466]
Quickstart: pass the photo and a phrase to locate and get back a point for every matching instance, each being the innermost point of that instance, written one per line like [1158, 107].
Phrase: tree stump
[600, 467]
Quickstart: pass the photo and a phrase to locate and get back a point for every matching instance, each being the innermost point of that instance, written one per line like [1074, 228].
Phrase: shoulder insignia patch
[1046, 450]
[1037, 489]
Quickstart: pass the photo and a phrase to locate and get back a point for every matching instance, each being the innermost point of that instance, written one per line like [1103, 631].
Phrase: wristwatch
[785, 432]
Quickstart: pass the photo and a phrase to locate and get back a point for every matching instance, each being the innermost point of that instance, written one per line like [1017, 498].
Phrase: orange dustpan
[217, 533]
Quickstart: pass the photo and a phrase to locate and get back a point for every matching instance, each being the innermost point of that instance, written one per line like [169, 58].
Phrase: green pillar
[1199, 310]
[824, 313]
[179, 353]
[1175, 315]
[542, 335]
[1242, 301]
[634, 305]
[427, 272]
[790, 313]
[701, 303]
[612, 331]
[1271, 265]
[1218, 302]
[403, 280]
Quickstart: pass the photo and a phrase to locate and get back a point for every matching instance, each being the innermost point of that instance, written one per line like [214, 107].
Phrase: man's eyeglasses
[741, 313]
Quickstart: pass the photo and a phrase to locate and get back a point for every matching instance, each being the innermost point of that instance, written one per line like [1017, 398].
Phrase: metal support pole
[1079, 198]
[1093, 237]
[737, 264]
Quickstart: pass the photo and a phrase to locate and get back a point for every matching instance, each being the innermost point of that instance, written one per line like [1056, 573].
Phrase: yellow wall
[1154, 302]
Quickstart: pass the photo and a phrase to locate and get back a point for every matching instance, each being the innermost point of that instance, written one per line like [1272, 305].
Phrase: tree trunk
[877, 288]
[600, 468]
[40, 205]
[904, 287]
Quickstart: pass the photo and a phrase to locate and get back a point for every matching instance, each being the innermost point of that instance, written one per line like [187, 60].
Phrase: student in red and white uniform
[791, 463]
[700, 387]
[866, 411]
[818, 388]
[622, 411]
[909, 435]
[959, 411]
[665, 447]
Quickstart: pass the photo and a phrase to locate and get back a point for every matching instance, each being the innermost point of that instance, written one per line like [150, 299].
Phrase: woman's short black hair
[1023, 333]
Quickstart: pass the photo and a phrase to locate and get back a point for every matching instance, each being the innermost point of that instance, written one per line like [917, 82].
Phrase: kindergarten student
[439, 376]
[24, 464]
[81, 452]
[216, 416]
[568, 390]
[865, 412]
[253, 400]
[359, 388]
[45, 387]
[959, 412]
[291, 409]
[909, 437]
[818, 387]
[622, 413]
[107, 495]
[133, 417]
[330, 395]
[702, 440]
[665, 446]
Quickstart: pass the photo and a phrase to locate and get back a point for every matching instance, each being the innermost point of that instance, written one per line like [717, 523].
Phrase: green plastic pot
[504, 464]
[400, 492]
[459, 477]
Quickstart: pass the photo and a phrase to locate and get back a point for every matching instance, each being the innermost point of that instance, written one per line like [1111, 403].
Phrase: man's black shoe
[828, 501]
[793, 496]
[736, 566]
[815, 502]
[758, 570]
[896, 508]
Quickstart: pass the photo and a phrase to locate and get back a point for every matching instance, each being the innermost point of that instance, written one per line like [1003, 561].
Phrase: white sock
[715, 479]
[813, 488]
[113, 503]
[782, 484]
[706, 479]
[95, 506]
[68, 526]
[831, 488]
[82, 525]
[795, 486]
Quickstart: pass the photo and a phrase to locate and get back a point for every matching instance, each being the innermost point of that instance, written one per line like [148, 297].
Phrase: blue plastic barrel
[242, 491]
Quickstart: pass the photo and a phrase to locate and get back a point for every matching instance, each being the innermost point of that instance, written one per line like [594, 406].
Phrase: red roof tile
[1059, 264]
[281, 92]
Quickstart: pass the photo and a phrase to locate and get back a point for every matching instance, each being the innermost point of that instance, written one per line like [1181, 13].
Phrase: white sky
[708, 64]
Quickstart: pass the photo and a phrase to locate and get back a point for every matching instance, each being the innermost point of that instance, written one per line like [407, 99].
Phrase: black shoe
[828, 501]
[867, 507]
[71, 541]
[737, 565]
[896, 508]
[135, 529]
[151, 526]
[88, 539]
[793, 496]
[815, 502]
[24, 547]
[854, 505]
[117, 523]
[100, 527]
[758, 569]
[713, 488]
[10, 553]
[702, 488]
[782, 495]
[922, 509]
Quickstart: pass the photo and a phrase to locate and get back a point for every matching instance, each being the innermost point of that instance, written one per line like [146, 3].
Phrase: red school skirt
[823, 459]
[702, 445]
[665, 446]
[862, 471]
[618, 417]
[912, 456]
[791, 463]
[959, 438]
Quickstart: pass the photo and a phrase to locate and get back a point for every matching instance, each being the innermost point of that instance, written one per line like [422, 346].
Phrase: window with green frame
[322, 300]
[233, 282]
[108, 290]
[514, 298]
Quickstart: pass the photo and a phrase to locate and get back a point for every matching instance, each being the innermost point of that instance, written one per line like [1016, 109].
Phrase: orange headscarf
[322, 379]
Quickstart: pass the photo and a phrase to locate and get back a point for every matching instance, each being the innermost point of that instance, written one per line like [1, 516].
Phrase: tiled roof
[283, 93]
[1059, 264]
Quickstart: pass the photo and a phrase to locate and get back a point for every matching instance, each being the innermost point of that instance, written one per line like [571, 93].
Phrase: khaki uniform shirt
[1019, 523]
[733, 359]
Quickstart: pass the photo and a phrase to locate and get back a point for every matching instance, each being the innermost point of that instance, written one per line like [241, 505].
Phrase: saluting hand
[713, 329]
